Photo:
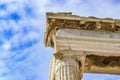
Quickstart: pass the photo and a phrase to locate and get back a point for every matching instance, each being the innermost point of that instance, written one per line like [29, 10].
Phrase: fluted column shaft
[66, 68]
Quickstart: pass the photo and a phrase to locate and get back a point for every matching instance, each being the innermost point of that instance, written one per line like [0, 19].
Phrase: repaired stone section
[102, 61]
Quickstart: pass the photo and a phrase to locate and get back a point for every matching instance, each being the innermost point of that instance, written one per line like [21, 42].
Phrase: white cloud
[6, 46]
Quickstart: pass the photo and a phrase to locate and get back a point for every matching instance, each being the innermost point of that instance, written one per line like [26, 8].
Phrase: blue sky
[22, 25]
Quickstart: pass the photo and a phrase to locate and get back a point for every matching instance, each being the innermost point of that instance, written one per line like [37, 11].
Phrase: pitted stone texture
[65, 69]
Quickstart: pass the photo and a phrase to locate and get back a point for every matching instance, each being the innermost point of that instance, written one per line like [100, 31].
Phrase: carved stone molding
[107, 44]
[55, 21]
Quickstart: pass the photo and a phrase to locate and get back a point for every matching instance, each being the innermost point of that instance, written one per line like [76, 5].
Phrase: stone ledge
[55, 21]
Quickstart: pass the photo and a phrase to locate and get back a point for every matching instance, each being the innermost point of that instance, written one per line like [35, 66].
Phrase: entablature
[54, 21]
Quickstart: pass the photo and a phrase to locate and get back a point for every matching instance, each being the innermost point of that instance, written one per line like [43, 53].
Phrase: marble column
[66, 68]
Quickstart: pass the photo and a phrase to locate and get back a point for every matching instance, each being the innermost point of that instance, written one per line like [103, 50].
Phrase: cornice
[55, 21]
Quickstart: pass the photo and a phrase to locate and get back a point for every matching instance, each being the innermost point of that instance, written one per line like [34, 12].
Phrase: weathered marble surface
[87, 33]
[55, 21]
[91, 42]
[66, 68]
[82, 44]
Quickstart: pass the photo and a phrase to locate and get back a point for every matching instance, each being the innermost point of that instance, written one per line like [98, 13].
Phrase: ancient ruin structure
[82, 45]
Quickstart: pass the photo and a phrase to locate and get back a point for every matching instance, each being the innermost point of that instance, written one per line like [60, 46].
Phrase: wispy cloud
[20, 33]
